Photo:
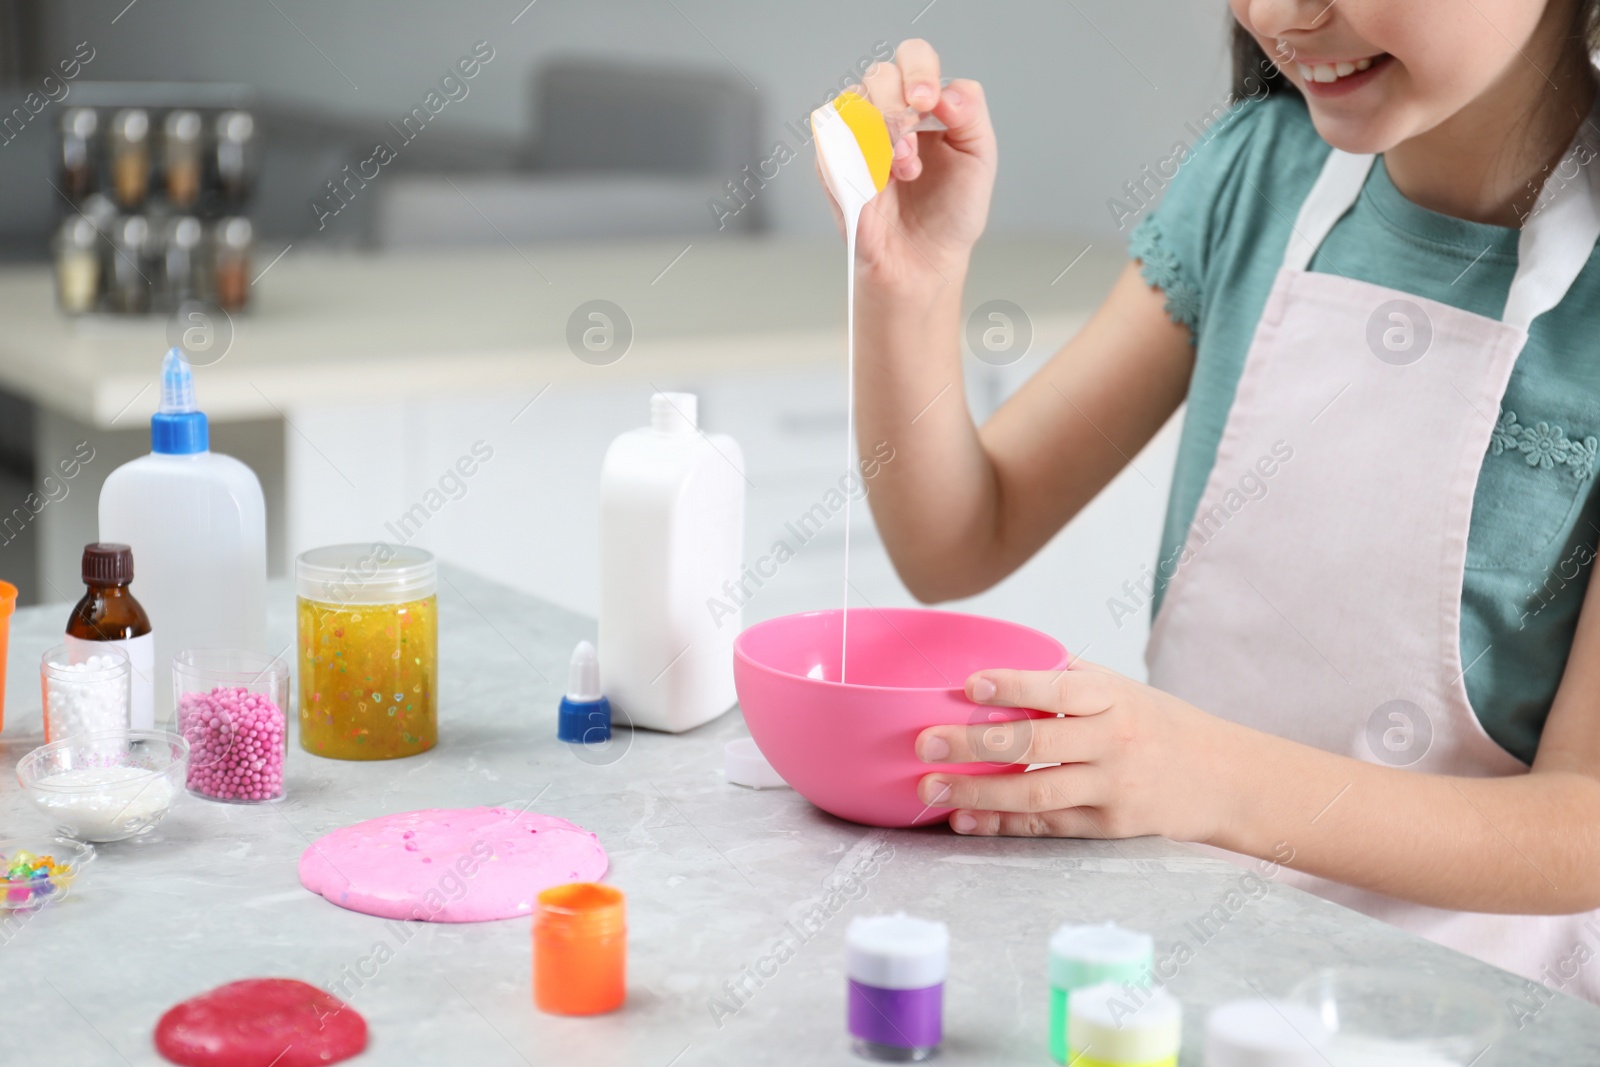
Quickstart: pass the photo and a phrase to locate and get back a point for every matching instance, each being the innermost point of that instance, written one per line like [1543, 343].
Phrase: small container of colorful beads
[35, 871]
[369, 639]
[231, 711]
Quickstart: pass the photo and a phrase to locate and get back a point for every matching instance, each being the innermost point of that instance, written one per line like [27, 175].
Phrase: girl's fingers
[907, 163]
[964, 110]
[919, 72]
[1047, 789]
[1064, 822]
[1020, 741]
[884, 88]
[1082, 689]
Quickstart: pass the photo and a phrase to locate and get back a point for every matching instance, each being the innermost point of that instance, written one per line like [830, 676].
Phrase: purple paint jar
[896, 967]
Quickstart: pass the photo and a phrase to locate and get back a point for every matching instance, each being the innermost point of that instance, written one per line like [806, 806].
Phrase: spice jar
[580, 949]
[84, 690]
[230, 708]
[231, 273]
[130, 254]
[101, 213]
[183, 276]
[130, 156]
[368, 637]
[77, 161]
[77, 265]
[235, 155]
[180, 157]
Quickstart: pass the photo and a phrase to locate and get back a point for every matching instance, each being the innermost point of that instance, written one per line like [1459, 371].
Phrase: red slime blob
[261, 1022]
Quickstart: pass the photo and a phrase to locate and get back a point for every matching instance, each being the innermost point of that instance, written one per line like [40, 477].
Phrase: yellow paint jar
[369, 651]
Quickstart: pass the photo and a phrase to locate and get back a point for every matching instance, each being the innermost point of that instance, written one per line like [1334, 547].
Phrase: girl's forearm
[935, 502]
[1526, 844]
[960, 509]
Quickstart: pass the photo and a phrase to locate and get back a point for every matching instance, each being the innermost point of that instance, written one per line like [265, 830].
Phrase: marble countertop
[717, 877]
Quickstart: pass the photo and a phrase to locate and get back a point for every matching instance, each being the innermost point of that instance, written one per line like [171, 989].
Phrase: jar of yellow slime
[369, 651]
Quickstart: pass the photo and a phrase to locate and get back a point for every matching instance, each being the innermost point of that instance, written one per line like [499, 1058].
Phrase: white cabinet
[528, 514]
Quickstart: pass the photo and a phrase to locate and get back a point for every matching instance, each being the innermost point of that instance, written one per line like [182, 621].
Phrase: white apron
[1328, 610]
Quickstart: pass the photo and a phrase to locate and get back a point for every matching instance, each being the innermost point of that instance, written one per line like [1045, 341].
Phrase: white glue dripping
[854, 151]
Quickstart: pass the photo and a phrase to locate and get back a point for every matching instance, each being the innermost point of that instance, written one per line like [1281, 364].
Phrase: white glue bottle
[197, 524]
[671, 544]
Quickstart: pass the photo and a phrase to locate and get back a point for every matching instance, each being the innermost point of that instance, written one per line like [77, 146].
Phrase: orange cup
[580, 950]
[8, 604]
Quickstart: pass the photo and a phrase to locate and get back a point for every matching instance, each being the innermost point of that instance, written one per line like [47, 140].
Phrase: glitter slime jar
[231, 711]
[369, 651]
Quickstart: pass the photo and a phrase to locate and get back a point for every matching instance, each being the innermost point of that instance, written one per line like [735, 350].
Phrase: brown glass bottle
[109, 613]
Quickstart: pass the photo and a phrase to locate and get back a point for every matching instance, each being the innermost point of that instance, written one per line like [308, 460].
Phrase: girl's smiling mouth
[1337, 77]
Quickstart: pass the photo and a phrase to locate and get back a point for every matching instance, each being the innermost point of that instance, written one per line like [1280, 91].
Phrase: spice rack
[155, 182]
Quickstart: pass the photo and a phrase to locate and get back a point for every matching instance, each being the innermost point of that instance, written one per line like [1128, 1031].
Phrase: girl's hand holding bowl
[1132, 760]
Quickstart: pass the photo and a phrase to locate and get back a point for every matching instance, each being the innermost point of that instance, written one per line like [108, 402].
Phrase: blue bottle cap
[178, 428]
[584, 722]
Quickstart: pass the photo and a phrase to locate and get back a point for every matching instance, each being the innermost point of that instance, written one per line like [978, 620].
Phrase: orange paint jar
[580, 950]
[8, 604]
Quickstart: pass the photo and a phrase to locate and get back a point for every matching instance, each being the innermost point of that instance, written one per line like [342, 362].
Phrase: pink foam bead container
[849, 747]
[232, 708]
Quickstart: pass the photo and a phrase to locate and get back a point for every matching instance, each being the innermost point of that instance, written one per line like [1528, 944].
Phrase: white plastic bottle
[671, 544]
[197, 523]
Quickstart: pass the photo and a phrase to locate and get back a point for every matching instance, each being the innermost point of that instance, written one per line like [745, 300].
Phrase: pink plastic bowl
[849, 748]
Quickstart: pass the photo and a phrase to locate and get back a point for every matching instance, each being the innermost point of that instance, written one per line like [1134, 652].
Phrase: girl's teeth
[1329, 72]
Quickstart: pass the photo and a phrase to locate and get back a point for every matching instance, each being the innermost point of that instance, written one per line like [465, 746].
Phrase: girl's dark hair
[1256, 75]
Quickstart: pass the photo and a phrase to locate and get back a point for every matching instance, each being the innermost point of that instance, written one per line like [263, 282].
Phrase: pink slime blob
[450, 865]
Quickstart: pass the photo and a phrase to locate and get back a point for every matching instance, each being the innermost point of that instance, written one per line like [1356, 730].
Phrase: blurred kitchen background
[436, 196]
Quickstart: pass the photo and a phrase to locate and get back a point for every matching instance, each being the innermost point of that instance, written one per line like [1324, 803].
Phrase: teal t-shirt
[1214, 246]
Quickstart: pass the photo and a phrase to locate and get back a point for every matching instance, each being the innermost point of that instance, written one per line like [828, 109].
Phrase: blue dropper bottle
[584, 717]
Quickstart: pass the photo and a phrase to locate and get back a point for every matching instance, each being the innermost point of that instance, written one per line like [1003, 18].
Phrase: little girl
[1375, 288]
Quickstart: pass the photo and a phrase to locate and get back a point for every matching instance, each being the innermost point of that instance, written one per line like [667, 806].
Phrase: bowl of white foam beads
[106, 786]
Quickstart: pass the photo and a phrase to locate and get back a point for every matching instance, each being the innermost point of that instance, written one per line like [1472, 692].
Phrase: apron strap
[1559, 233]
[1556, 239]
[1335, 192]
